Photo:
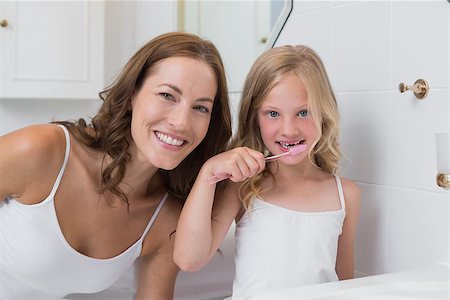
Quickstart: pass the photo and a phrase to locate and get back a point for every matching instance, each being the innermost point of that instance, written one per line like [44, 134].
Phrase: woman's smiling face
[172, 110]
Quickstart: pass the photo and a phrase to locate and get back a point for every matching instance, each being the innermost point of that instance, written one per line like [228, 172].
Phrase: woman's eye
[272, 114]
[303, 113]
[202, 108]
[166, 96]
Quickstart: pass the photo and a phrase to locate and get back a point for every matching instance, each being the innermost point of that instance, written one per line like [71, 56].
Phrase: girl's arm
[206, 216]
[345, 255]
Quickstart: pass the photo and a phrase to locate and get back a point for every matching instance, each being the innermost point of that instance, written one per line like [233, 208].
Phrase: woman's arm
[345, 255]
[206, 216]
[156, 270]
[157, 273]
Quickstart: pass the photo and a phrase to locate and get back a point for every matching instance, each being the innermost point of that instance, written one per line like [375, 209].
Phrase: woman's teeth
[169, 140]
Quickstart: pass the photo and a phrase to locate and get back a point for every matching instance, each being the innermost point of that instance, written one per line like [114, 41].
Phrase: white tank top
[36, 261]
[279, 248]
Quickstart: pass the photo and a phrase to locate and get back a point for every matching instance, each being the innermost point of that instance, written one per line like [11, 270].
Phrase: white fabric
[36, 262]
[280, 248]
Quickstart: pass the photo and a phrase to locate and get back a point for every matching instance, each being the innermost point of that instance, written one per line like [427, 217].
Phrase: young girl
[295, 219]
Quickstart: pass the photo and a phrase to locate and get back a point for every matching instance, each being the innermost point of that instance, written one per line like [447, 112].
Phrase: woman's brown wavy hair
[264, 74]
[111, 125]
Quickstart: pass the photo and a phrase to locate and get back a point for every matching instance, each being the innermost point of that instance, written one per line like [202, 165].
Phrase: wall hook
[420, 88]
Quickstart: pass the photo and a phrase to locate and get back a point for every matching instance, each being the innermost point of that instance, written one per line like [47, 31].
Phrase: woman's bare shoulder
[162, 233]
[31, 154]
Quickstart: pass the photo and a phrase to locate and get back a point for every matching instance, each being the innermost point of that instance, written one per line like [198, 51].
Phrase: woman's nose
[179, 117]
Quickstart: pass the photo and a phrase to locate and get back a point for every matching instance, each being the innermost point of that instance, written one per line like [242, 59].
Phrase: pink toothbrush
[295, 150]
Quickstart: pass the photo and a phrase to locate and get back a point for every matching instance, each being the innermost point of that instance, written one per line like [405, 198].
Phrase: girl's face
[285, 120]
[172, 110]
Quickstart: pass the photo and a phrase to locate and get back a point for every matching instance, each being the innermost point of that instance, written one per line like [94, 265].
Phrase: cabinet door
[52, 49]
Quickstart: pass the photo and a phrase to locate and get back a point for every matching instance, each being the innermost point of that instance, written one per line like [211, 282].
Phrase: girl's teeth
[286, 145]
[168, 140]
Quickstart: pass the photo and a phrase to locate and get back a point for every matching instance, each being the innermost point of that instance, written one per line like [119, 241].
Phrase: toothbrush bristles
[297, 149]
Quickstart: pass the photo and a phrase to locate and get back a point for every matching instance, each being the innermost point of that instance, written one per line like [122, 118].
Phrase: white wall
[388, 140]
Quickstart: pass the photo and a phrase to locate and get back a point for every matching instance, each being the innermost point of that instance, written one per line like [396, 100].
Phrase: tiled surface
[418, 31]
[235, 98]
[319, 38]
[360, 46]
[302, 6]
[371, 235]
[418, 232]
[365, 136]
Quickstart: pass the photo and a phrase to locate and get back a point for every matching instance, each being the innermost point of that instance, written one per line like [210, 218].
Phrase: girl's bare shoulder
[352, 192]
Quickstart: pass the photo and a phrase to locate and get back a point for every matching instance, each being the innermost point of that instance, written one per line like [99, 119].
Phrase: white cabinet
[52, 49]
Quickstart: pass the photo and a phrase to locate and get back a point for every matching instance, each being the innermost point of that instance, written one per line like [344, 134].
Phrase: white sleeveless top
[36, 261]
[279, 248]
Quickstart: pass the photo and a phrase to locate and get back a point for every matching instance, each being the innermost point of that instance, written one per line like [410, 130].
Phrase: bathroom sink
[430, 283]
[392, 291]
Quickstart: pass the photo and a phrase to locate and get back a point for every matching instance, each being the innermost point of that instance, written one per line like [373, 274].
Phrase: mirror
[241, 30]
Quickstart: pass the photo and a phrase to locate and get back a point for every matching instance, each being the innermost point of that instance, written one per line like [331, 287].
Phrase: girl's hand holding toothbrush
[222, 176]
[236, 164]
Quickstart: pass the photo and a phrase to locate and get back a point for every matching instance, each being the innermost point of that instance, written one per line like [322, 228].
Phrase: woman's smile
[169, 140]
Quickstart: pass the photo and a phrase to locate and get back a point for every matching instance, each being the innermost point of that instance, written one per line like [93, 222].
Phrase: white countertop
[430, 283]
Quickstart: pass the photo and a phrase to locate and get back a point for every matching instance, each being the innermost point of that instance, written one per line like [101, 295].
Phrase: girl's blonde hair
[265, 73]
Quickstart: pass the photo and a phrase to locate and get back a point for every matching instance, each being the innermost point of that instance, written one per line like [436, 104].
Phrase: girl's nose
[289, 127]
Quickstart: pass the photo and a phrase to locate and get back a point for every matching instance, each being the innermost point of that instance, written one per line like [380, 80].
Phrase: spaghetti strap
[155, 214]
[340, 191]
[66, 158]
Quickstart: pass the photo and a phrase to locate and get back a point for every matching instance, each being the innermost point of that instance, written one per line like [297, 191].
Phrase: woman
[80, 203]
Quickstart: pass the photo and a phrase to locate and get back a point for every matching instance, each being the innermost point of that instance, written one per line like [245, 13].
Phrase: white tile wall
[419, 32]
[312, 29]
[235, 98]
[365, 135]
[360, 46]
[418, 228]
[372, 231]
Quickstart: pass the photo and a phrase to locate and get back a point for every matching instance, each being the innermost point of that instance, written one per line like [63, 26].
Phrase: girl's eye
[303, 113]
[166, 96]
[272, 114]
[202, 108]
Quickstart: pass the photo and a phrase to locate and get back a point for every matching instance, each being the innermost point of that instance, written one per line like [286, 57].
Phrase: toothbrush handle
[275, 157]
